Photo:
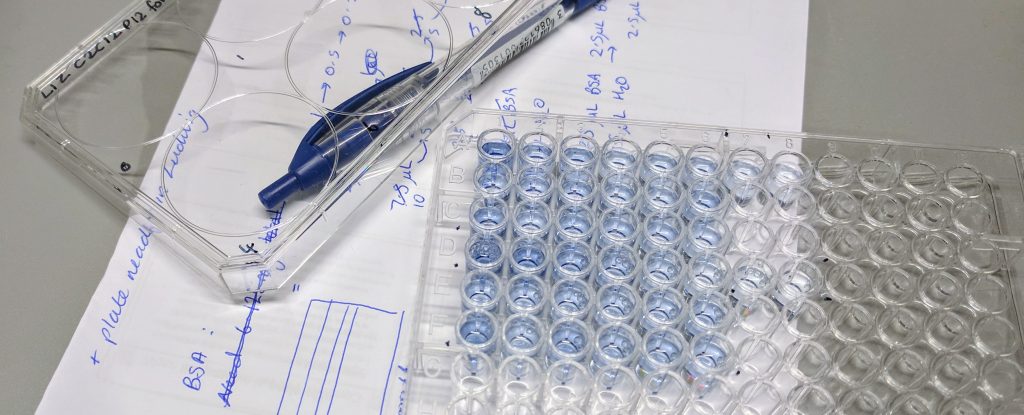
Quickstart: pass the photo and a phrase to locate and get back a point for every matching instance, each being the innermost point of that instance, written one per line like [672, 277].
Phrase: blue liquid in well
[526, 293]
[662, 348]
[700, 166]
[620, 263]
[538, 152]
[535, 185]
[618, 228]
[662, 231]
[662, 308]
[661, 163]
[617, 264]
[496, 150]
[703, 199]
[708, 314]
[576, 223]
[571, 297]
[481, 290]
[568, 340]
[578, 156]
[616, 304]
[711, 356]
[703, 238]
[577, 187]
[489, 217]
[742, 170]
[620, 159]
[704, 165]
[522, 335]
[749, 196]
[493, 179]
[573, 259]
[663, 267]
[615, 344]
[620, 192]
[485, 252]
[477, 329]
[662, 197]
[788, 173]
[529, 255]
[533, 219]
[706, 199]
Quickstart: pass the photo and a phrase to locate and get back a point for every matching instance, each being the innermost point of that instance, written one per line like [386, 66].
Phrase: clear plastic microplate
[580, 265]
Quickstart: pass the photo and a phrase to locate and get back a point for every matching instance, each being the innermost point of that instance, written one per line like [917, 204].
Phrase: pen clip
[307, 148]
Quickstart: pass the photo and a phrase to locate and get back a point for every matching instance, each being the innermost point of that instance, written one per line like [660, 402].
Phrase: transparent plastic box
[186, 159]
[992, 253]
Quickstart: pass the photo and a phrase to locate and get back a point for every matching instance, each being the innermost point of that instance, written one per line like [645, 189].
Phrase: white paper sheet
[157, 339]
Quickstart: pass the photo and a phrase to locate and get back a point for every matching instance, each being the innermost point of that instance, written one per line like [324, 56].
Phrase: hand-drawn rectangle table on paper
[336, 364]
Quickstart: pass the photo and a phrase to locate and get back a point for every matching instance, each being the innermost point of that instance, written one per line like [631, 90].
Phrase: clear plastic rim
[834, 164]
[831, 203]
[975, 174]
[914, 171]
[965, 209]
[878, 174]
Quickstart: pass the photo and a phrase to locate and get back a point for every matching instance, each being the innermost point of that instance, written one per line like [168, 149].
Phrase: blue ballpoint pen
[320, 152]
